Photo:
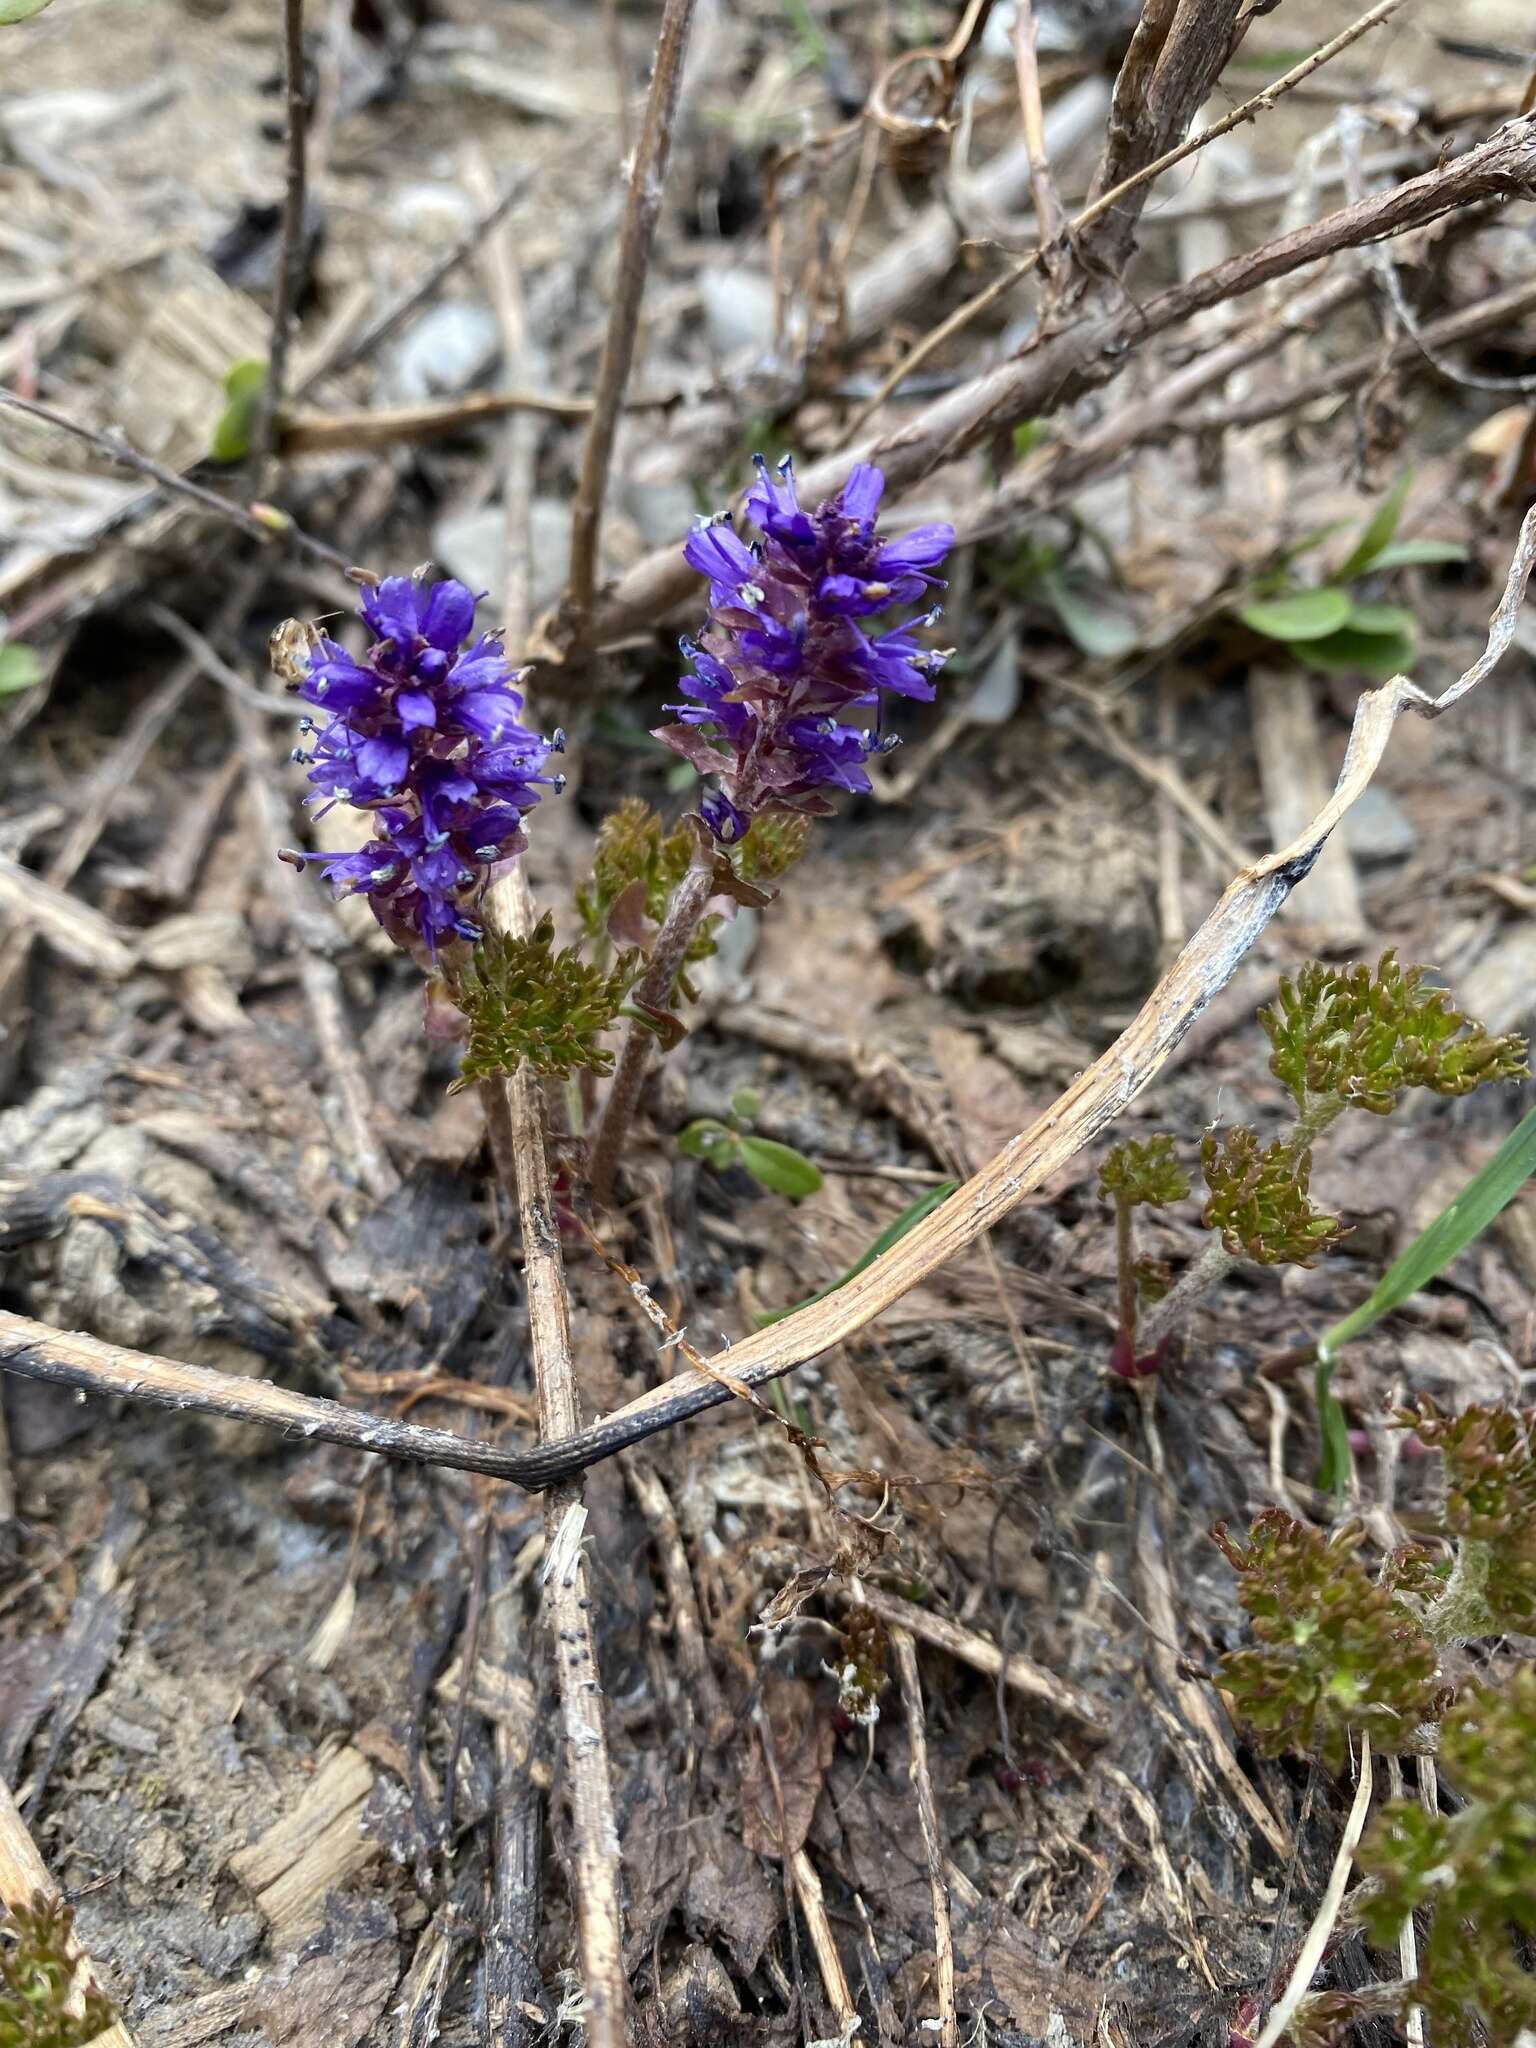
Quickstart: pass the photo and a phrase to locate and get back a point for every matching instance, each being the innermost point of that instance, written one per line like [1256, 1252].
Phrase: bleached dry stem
[508, 908]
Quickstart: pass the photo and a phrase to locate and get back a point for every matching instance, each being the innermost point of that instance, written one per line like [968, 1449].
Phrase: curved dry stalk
[1093, 1101]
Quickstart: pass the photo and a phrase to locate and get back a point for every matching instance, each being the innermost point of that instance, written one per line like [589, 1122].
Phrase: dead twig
[291, 248]
[1048, 209]
[1462, 325]
[508, 908]
[928, 1821]
[271, 527]
[647, 177]
[1326, 1917]
[1094, 350]
[1106, 201]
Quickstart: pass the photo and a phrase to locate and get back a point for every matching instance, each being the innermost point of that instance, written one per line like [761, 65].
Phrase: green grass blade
[1430, 1253]
[893, 1233]
[1451, 1232]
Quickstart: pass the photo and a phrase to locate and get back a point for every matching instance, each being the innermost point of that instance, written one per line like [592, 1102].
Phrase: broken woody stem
[685, 913]
[642, 206]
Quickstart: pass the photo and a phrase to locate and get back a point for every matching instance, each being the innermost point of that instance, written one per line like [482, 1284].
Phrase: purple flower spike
[426, 733]
[786, 652]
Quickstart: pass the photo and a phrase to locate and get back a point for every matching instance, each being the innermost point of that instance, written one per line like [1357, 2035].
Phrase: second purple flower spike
[426, 733]
[788, 651]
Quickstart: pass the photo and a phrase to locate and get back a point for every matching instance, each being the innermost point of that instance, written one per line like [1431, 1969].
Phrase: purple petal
[383, 760]
[416, 708]
[448, 616]
[923, 548]
[859, 499]
[393, 610]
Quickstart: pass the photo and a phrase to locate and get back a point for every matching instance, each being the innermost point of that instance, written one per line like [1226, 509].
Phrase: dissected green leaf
[1489, 1510]
[779, 1167]
[892, 1234]
[1259, 1200]
[1475, 1866]
[1364, 1037]
[524, 1001]
[43, 2001]
[1302, 615]
[1337, 1653]
[244, 383]
[20, 669]
[1377, 532]
[1143, 1171]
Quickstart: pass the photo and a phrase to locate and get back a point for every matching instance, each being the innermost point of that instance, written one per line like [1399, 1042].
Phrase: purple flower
[786, 652]
[426, 733]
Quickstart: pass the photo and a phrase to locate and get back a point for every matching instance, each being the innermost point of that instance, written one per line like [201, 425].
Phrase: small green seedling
[721, 1146]
[244, 383]
[20, 669]
[42, 2001]
[1325, 624]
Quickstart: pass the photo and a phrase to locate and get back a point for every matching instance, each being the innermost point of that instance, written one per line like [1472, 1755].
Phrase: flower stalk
[653, 993]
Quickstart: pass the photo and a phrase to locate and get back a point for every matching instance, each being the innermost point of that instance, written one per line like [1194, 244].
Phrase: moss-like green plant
[1143, 1171]
[1474, 1868]
[524, 1001]
[1259, 1200]
[1338, 1654]
[38, 1981]
[1348, 1036]
[1490, 1512]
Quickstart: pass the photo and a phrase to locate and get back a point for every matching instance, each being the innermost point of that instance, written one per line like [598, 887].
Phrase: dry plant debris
[903, 1697]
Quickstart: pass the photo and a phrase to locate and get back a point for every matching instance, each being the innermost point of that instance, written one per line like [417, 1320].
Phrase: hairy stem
[684, 915]
[1191, 1288]
[1462, 1609]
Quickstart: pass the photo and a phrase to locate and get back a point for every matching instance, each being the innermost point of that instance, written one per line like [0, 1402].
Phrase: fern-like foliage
[525, 1001]
[1259, 1200]
[1362, 1038]
[38, 1975]
[1490, 1510]
[1338, 1654]
[1143, 1172]
[1475, 1867]
[634, 846]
